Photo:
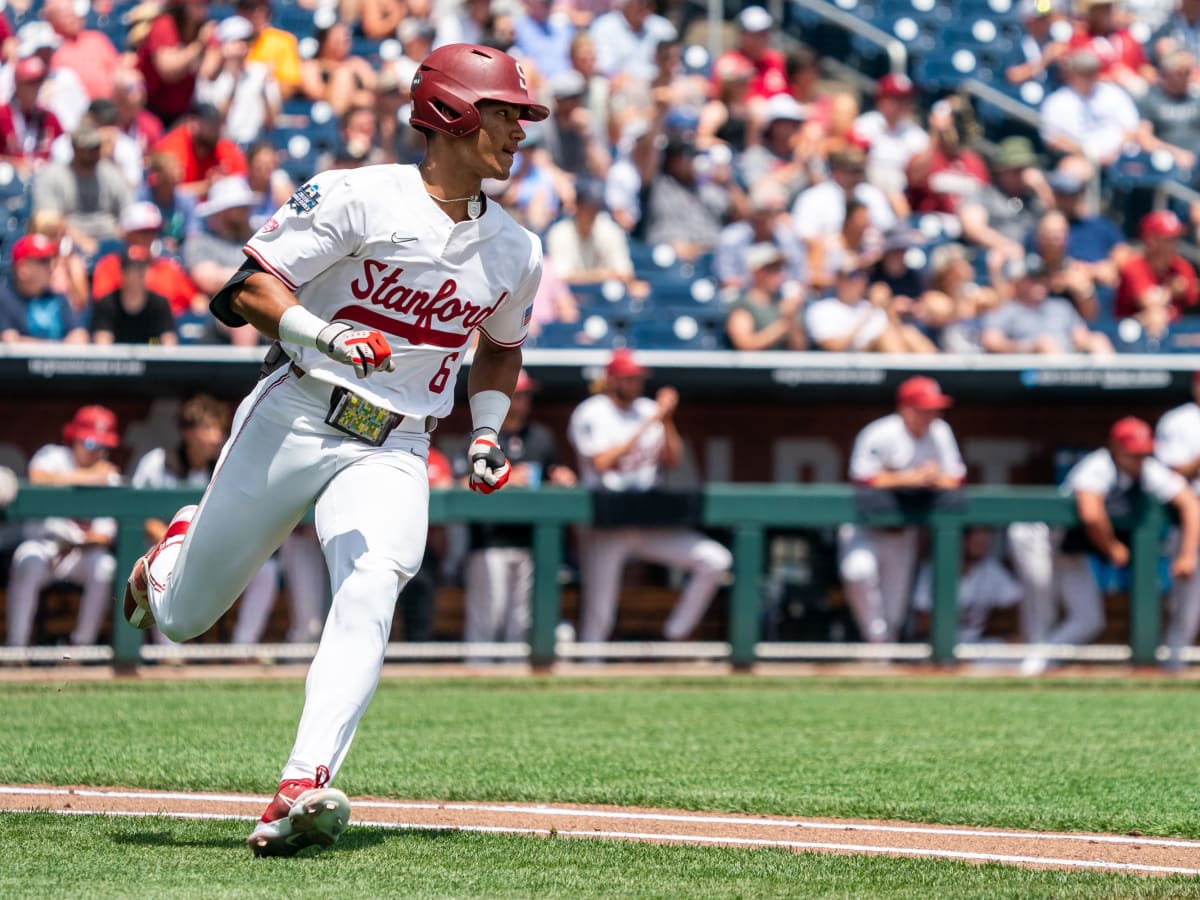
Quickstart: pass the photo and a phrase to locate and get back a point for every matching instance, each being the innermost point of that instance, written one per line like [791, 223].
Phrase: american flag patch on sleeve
[527, 316]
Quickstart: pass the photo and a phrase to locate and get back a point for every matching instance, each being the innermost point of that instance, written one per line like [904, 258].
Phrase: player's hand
[667, 399]
[1183, 565]
[489, 468]
[1118, 554]
[363, 348]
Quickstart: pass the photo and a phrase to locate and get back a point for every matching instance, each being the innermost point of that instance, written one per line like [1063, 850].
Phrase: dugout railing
[746, 511]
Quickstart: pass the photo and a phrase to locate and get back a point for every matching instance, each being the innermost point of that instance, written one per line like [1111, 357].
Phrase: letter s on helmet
[454, 78]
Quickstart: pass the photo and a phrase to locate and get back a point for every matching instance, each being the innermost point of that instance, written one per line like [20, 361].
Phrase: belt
[403, 424]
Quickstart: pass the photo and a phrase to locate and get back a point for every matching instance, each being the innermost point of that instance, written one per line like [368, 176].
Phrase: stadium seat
[680, 333]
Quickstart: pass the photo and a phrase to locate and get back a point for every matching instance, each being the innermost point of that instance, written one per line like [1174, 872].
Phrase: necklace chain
[454, 199]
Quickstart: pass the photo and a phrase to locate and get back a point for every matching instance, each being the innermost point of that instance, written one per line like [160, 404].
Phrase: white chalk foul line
[712, 840]
[698, 818]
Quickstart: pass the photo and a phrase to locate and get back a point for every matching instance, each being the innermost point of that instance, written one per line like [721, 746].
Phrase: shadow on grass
[167, 839]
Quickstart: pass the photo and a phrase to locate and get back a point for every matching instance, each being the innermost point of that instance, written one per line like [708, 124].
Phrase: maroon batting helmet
[454, 78]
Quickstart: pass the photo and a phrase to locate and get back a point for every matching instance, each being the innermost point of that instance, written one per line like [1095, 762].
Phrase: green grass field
[1095, 756]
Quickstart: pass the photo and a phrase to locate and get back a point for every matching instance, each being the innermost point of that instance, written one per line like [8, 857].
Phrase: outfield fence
[747, 511]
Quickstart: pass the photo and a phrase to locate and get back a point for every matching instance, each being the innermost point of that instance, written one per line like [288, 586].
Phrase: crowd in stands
[745, 201]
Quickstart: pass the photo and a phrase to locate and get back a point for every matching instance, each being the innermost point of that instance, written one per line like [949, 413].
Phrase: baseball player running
[373, 281]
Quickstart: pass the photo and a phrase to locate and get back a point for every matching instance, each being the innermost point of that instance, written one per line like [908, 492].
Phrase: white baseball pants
[36, 564]
[372, 506]
[1048, 574]
[303, 567]
[499, 584]
[603, 553]
[877, 566]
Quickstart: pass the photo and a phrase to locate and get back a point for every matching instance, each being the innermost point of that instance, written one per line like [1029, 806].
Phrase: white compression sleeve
[299, 326]
[488, 409]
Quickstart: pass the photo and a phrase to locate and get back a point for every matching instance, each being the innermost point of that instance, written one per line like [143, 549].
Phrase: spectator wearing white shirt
[911, 449]
[820, 211]
[117, 146]
[627, 37]
[246, 93]
[1088, 117]
[894, 135]
[589, 247]
[848, 322]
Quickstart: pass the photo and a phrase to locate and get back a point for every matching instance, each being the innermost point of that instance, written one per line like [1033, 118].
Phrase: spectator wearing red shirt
[754, 46]
[170, 56]
[203, 154]
[946, 172]
[1159, 277]
[1122, 59]
[26, 127]
[141, 226]
[89, 53]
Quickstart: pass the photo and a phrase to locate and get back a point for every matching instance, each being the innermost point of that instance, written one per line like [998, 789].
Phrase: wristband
[298, 326]
[489, 409]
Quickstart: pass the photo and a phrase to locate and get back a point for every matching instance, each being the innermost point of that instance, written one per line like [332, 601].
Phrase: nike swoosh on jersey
[396, 239]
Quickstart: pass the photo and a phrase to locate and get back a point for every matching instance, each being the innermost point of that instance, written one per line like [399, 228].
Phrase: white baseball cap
[227, 193]
[784, 107]
[142, 216]
[35, 36]
[234, 28]
[755, 18]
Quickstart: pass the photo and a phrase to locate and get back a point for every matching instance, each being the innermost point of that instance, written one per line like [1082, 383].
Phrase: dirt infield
[1132, 854]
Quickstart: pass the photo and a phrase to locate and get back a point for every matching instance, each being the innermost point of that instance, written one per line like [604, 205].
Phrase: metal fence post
[1145, 612]
[547, 552]
[947, 563]
[745, 600]
[131, 543]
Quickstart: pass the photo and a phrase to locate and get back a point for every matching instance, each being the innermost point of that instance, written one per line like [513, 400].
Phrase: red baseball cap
[95, 423]
[921, 392]
[622, 364]
[895, 85]
[31, 68]
[525, 383]
[1132, 435]
[34, 246]
[1162, 223]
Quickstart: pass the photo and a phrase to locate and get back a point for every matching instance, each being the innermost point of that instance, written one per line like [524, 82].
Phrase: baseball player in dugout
[498, 575]
[372, 281]
[908, 456]
[1106, 484]
[624, 441]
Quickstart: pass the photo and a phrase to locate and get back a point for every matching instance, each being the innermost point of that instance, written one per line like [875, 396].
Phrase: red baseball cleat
[300, 815]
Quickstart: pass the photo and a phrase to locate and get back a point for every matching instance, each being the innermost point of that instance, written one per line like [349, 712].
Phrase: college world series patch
[306, 198]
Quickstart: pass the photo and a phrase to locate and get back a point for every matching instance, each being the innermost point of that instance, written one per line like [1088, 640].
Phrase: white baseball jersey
[1096, 473]
[369, 246]
[1177, 437]
[598, 424]
[152, 471]
[886, 445]
[59, 460]
[984, 586]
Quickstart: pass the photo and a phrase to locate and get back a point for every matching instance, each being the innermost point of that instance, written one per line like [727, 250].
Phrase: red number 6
[437, 384]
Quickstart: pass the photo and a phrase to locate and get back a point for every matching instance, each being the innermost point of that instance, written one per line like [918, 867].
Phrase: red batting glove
[364, 349]
[489, 467]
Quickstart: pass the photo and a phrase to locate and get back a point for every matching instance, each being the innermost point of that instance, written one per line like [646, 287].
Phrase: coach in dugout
[907, 457]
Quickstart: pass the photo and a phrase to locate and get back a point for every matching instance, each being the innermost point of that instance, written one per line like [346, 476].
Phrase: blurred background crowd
[1024, 186]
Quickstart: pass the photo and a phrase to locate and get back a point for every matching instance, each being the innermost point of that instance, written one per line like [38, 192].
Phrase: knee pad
[713, 557]
[859, 565]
